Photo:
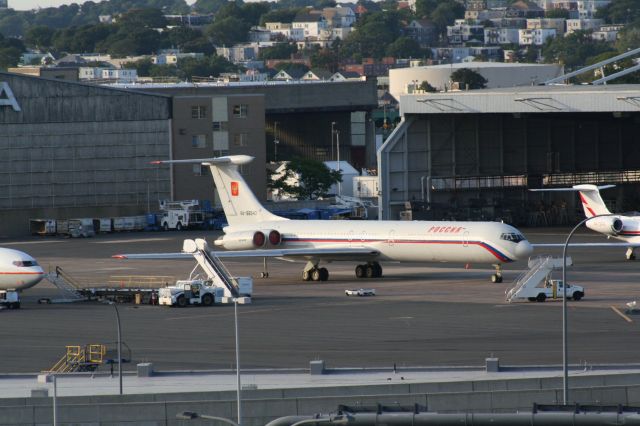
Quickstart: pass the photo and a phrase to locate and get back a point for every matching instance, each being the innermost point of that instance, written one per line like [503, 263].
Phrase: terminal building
[474, 154]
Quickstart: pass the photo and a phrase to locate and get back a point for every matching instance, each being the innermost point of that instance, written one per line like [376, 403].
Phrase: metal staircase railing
[68, 285]
[222, 272]
[79, 358]
[535, 265]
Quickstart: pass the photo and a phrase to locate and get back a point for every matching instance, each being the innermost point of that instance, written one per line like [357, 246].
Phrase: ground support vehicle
[181, 215]
[361, 292]
[552, 289]
[190, 292]
[10, 299]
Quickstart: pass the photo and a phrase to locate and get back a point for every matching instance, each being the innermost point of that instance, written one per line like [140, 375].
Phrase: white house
[535, 37]
[122, 75]
[310, 23]
[574, 25]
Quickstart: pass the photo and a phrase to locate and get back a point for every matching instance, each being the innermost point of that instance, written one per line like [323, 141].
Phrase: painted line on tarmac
[19, 243]
[617, 311]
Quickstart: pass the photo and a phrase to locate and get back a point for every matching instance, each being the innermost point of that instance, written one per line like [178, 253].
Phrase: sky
[34, 4]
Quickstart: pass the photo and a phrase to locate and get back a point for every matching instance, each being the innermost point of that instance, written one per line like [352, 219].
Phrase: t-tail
[591, 200]
[240, 205]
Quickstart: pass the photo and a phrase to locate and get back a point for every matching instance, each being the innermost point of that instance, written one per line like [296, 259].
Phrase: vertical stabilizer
[591, 200]
[241, 207]
[238, 201]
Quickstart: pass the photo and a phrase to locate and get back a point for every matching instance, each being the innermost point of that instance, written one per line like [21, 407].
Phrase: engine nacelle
[610, 225]
[275, 238]
[245, 240]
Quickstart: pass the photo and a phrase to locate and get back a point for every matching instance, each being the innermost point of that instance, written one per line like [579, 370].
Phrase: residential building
[462, 32]
[293, 74]
[494, 35]
[239, 52]
[339, 16]
[509, 22]
[286, 30]
[484, 15]
[587, 8]
[583, 25]
[536, 37]
[556, 23]
[121, 75]
[423, 31]
[346, 75]
[310, 23]
[317, 74]
[523, 9]
[259, 35]
[608, 33]
[191, 20]
[172, 57]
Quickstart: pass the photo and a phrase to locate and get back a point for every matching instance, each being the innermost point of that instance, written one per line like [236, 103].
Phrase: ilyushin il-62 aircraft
[253, 231]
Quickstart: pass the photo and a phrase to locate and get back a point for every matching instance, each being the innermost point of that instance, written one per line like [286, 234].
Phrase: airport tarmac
[422, 315]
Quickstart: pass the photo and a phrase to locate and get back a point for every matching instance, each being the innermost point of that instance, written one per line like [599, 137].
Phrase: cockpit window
[25, 263]
[513, 237]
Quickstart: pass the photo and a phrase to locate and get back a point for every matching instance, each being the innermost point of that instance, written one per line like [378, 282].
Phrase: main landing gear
[630, 254]
[497, 277]
[370, 270]
[311, 272]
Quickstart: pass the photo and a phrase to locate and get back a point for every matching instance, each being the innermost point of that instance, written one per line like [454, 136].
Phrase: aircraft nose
[523, 249]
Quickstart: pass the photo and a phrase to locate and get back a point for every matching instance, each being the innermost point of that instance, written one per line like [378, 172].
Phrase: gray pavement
[423, 315]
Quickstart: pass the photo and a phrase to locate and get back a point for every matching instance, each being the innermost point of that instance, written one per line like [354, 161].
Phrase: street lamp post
[119, 345]
[565, 351]
[338, 150]
[190, 415]
[239, 400]
[333, 123]
[275, 141]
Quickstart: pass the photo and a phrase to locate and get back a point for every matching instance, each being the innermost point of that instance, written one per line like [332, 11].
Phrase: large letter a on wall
[7, 98]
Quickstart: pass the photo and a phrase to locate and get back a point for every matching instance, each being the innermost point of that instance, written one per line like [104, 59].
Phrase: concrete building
[75, 150]
[477, 152]
[497, 74]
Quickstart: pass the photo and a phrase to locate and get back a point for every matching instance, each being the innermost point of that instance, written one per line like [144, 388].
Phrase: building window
[240, 111]
[220, 126]
[198, 112]
[240, 139]
[198, 141]
[199, 170]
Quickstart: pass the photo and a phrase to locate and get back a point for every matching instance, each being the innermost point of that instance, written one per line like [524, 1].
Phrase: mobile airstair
[68, 286]
[234, 288]
[539, 269]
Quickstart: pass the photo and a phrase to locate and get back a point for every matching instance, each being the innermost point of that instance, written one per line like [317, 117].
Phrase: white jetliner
[18, 270]
[624, 227]
[253, 231]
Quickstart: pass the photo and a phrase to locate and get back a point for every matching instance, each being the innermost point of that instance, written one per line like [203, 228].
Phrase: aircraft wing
[579, 245]
[352, 253]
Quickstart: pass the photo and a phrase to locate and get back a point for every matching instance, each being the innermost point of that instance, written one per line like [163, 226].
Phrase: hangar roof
[530, 99]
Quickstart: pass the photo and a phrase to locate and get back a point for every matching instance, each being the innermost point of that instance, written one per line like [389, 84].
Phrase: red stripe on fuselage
[21, 273]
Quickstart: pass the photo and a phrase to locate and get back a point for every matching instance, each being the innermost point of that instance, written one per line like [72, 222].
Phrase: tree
[427, 87]
[143, 18]
[314, 179]
[39, 36]
[467, 78]
[573, 50]
[209, 66]
[278, 51]
[11, 50]
[620, 12]
[325, 58]
[373, 32]
[446, 13]
[557, 13]
[628, 38]
[424, 8]
[228, 31]
[209, 6]
[279, 15]
[405, 47]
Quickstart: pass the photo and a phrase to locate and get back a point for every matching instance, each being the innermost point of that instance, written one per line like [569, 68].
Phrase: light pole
[333, 123]
[338, 150]
[235, 317]
[565, 351]
[119, 345]
[275, 142]
[190, 415]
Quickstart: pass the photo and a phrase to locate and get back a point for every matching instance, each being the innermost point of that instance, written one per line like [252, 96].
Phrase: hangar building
[74, 150]
[473, 155]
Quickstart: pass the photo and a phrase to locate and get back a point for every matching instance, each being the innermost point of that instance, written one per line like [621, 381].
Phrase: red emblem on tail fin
[235, 189]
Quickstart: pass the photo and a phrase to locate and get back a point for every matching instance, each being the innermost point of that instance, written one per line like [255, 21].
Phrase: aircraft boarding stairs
[67, 285]
[80, 358]
[539, 268]
[213, 267]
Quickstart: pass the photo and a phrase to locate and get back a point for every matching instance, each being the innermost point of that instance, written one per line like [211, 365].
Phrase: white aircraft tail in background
[624, 227]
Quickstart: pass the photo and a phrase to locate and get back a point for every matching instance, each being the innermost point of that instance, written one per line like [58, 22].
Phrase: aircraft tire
[207, 300]
[316, 274]
[495, 278]
[324, 274]
[370, 271]
[306, 275]
[360, 271]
